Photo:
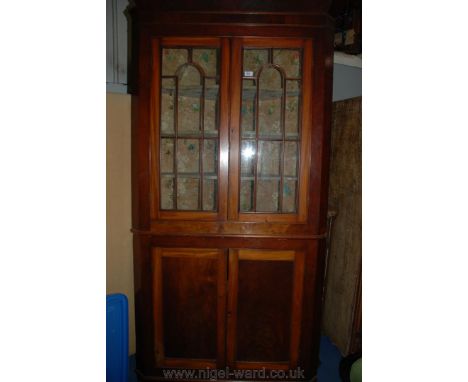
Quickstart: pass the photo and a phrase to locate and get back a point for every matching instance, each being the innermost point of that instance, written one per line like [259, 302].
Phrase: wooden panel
[144, 294]
[260, 243]
[344, 262]
[305, 160]
[224, 128]
[252, 255]
[190, 41]
[154, 130]
[320, 107]
[189, 363]
[234, 129]
[189, 306]
[311, 309]
[141, 136]
[240, 6]
[191, 253]
[232, 228]
[272, 42]
[267, 365]
[264, 308]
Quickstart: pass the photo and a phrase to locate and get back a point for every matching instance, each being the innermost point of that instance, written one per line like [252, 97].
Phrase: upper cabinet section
[231, 129]
[230, 117]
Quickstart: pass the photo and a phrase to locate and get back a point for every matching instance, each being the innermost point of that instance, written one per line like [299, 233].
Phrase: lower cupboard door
[189, 307]
[264, 309]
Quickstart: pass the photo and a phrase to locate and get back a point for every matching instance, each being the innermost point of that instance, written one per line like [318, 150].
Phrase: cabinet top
[310, 6]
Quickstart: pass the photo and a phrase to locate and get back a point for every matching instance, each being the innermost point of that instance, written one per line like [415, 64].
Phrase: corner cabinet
[230, 145]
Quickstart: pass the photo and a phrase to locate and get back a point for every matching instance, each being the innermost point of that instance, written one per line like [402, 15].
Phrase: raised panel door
[264, 308]
[189, 307]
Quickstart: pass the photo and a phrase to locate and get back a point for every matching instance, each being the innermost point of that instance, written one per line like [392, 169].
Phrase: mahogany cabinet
[230, 142]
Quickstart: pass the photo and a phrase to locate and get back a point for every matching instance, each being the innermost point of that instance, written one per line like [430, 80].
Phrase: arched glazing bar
[189, 129]
[270, 130]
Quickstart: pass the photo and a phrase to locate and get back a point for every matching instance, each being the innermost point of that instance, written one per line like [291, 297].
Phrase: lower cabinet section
[236, 308]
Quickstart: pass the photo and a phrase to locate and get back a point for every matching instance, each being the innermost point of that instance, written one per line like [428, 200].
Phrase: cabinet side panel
[140, 137]
[143, 309]
[311, 312]
[322, 86]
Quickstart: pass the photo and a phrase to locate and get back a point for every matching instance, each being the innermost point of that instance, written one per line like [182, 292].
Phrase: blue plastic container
[117, 338]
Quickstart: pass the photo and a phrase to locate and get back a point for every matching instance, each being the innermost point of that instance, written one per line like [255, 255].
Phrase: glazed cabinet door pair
[239, 307]
[230, 129]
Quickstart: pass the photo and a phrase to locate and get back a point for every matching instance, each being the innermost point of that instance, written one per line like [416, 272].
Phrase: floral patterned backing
[270, 130]
[189, 128]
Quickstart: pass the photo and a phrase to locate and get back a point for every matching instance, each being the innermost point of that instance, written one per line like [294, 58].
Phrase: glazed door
[270, 129]
[230, 128]
[264, 308]
[189, 307]
[189, 159]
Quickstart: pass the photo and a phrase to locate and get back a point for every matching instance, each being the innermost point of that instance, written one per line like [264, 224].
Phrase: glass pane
[188, 156]
[273, 75]
[289, 60]
[189, 100]
[207, 59]
[254, 59]
[248, 158]
[289, 195]
[210, 156]
[189, 128]
[167, 106]
[290, 158]
[167, 192]
[267, 195]
[209, 194]
[269, 158]
[187, 193]
[246, 195]
[211, 108]
[172, 59]
[249, 90]
[189, 77]
[269, 108]
[167, 155]
[292, 109]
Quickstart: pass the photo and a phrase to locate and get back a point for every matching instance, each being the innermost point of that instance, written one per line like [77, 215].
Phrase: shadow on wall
[347, 82]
